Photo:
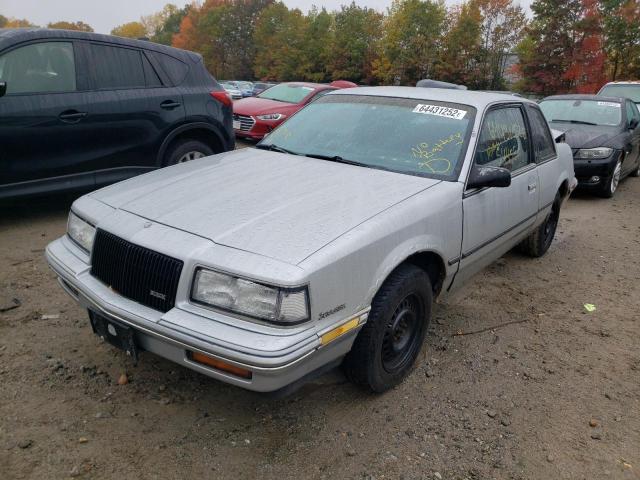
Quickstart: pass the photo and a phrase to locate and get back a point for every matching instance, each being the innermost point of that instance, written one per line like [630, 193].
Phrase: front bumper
[161, 334]
[602, 168]
[260, 129]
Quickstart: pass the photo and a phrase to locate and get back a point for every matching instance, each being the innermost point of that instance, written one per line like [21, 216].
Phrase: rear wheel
[611, 185]
[636, 172]
[186, 150]
[537, 244]
[386, 348]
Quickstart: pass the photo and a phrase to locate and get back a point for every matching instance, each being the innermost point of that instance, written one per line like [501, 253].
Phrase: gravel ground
[517, 380]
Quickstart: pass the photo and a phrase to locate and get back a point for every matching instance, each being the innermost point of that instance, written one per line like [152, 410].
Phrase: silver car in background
[325, 245]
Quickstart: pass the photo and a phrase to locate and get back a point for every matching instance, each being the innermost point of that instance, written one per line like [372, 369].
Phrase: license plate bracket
[115, 333]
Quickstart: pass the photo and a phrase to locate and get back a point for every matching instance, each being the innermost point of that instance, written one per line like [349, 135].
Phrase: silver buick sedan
[326, 244]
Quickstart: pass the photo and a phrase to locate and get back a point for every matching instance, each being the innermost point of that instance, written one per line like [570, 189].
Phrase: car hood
[281, 206]
[588, 136]
[259, 106]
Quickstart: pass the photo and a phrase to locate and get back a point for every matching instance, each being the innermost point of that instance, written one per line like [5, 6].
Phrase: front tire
[187, 150]
[537, 244]
[611, 185]
[386, 348]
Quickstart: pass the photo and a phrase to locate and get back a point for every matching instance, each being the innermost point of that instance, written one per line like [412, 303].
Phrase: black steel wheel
[386, 349]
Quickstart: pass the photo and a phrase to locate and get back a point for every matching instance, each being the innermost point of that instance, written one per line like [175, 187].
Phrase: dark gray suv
[81, 110]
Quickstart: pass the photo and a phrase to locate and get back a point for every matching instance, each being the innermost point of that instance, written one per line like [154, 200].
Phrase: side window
[116, 67]
[175, 69]
[150, 75]
[632, 112]
[503, 139]
[543, 146]
[39, 68]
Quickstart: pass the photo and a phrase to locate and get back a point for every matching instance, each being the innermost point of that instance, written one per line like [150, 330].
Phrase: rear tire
[186, 150]
[537, 244]
[386, 348]
[636, 172]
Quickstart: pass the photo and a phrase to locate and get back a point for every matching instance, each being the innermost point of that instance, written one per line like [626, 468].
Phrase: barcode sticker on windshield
[440, 111]
[609, 104]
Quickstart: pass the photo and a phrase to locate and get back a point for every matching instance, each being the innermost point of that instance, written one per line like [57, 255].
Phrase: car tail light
[223, 98]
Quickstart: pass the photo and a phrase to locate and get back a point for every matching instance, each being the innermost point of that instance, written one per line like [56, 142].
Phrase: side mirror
[633, 123]
[486, 176]
[3, 88]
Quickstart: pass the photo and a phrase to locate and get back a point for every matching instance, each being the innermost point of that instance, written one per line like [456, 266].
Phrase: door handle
[72, 116]
[532, 187]
[169, 104]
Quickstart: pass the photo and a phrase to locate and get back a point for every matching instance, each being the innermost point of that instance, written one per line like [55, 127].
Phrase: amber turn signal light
[219, 365]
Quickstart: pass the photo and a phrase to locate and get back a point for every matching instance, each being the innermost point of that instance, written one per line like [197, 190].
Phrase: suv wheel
[537, 244]
[636, 172]
[386, 348]
[186, 150]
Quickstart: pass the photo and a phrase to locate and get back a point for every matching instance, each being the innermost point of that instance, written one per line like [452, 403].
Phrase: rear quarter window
[543, 146]
[175, 70]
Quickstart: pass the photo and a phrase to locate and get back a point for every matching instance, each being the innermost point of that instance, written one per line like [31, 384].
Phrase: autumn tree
[547, 51]
[3, 21]
[130, 30]
[163, 25]
[79, 26]
[18, 23]
[459, 61]
[317, 46]
[587, 70]
[411, 42]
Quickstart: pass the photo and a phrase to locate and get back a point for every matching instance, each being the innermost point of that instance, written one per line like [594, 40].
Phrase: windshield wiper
[335, 158]
[580, 122]
[276, 148]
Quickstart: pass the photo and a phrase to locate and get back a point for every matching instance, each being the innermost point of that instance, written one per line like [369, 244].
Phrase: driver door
[497, 218]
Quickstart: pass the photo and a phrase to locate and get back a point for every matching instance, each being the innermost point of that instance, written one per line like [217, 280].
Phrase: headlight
[81, 232]
[273, 304]
[593, 153]
[271, 116]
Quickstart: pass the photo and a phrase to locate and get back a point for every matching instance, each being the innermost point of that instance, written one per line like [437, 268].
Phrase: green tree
[503, 25]
[621, 27]
[354, 48]
[130, 30]
[411, 43]
[461, 50]
[280, 39]
[163, 25]
[316, 50]
[79, 26]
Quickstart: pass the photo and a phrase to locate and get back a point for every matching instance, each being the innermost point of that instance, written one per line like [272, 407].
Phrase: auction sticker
[609, 104]
[440, 111]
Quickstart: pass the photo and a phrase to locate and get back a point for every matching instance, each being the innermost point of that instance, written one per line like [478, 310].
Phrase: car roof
[623, 82]
[476, 99]
[582, 96]
[12, 36]
[307, 84]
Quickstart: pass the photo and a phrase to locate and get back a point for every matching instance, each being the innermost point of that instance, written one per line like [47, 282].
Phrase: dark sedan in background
[81, 110]
[604, 134]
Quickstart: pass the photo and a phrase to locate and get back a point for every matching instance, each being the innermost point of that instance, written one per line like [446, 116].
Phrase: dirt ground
[553, 393]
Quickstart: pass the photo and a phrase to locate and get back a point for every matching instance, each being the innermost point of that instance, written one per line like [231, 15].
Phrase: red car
[254, 117]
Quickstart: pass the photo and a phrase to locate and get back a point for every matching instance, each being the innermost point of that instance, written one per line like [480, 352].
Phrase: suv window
[503, 140]
[39, 68]
[173, 68]
[116, 67]
[543, 146]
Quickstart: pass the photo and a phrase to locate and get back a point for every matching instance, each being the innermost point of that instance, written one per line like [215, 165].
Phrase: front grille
[246, 122]
[135, 272]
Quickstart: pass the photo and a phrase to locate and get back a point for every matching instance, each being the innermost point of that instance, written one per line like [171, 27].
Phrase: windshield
[287, 93]
[586, 112]
[631, 92]
[417, 137]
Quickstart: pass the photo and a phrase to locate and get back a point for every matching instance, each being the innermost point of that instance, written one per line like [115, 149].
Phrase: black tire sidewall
[176, 151]
[402, 283]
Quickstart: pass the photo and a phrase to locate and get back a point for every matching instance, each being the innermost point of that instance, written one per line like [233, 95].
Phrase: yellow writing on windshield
[430, 155]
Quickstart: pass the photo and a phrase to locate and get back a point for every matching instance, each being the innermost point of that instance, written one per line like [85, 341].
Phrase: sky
[104, 15]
